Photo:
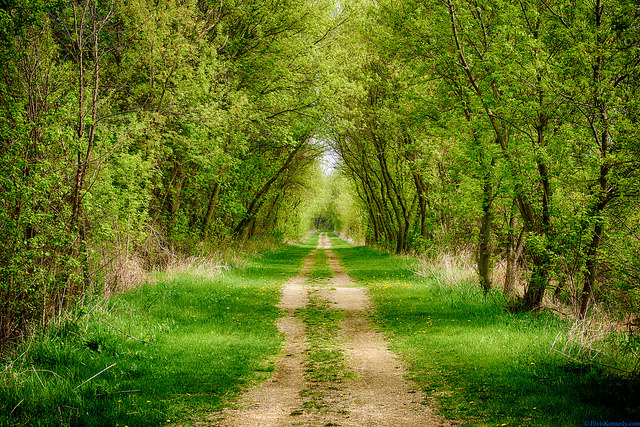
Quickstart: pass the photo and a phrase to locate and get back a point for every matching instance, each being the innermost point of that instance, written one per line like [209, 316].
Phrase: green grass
[205, 339]
[320, 269]
[481, 364]
[325, 360]
[311, 241]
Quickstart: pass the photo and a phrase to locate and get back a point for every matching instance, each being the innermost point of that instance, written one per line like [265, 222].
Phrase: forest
[136, 132]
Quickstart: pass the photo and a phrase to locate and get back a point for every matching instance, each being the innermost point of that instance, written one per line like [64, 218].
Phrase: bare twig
[604, 365]
[10, 365]
[54, 373]
[567, 356]
[86, 381]
[37, 376]
[16, 407]
[71, 408]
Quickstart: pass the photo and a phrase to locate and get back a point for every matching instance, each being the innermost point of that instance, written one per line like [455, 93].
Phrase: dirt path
[272, 402]
[375, 393]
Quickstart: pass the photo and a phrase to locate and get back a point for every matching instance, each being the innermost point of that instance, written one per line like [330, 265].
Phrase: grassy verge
[163, 352]
[481, 364]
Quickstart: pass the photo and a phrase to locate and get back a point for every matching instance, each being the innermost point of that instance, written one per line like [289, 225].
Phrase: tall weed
[600, 340]
[447, 269]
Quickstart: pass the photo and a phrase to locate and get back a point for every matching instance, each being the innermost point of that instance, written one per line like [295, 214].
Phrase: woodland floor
[373, 392]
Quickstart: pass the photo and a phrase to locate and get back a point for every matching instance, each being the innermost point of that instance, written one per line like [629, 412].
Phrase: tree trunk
[605, 194]
[257, 200]
[604, 197]
[79, 34]
[537, 285]
[484, 245]
[539, 277]
[271, 212]
[422, 194]
[590, 270]
[210, 209]
[514, 252]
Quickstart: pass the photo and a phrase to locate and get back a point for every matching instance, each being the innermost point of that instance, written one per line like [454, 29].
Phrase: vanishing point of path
[373, 393]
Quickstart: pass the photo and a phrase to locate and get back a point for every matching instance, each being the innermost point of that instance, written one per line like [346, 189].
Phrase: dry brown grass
[211, 260]
[448, 269]
[349, 239]
[500, 274]
[197, 266]
[125, 272]
[599, 339]
[121, 267]
[585, 338]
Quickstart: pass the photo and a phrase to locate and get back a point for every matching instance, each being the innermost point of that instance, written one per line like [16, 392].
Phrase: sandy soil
[377, 394]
